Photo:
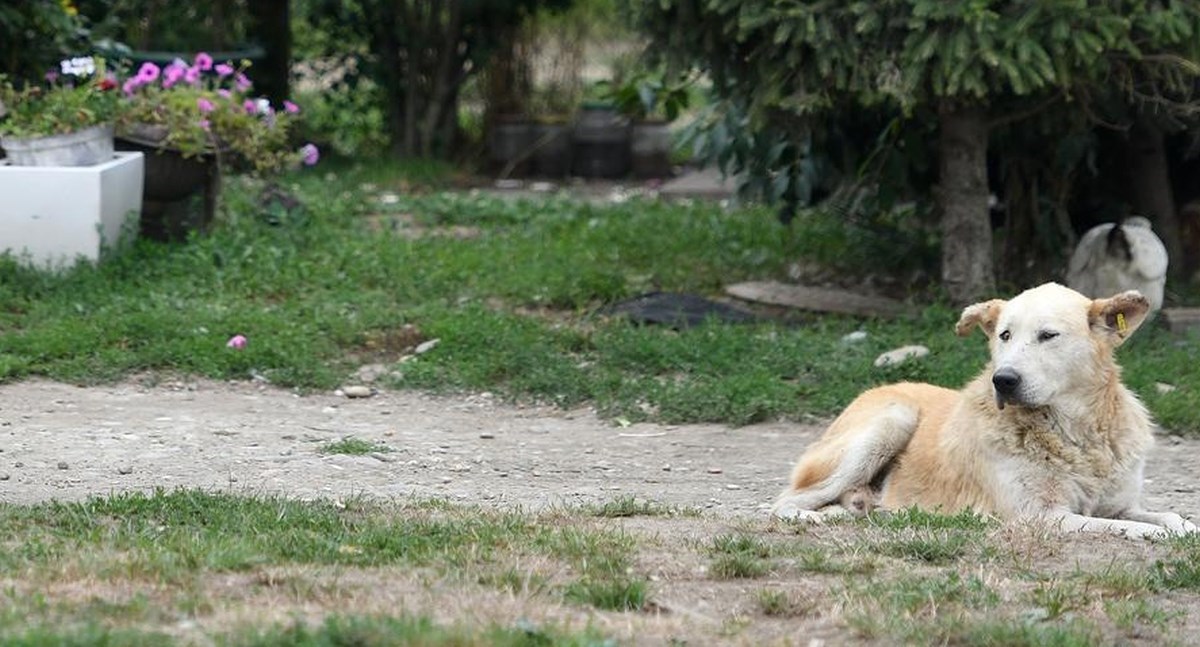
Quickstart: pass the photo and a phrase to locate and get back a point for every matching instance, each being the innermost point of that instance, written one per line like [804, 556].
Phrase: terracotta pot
[171, 180]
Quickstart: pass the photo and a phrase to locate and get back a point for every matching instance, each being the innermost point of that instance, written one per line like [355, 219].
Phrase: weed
[353, 447]
[1057, 598]
[1131, 614]
[629, 506]
[914, 518]
[929, 547]
[739, 556]
[779, 604]
[1171, 574]
[615, 593]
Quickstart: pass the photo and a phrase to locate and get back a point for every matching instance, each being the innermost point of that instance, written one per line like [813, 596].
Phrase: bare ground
[65, 442]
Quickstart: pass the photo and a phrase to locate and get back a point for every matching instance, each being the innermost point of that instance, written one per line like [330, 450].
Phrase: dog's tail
[856, 451]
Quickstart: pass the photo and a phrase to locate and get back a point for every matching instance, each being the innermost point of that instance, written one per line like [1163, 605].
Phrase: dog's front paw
[1177, 525]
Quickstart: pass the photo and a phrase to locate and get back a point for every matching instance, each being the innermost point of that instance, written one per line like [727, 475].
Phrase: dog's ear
[982, 314]
[1117, 317]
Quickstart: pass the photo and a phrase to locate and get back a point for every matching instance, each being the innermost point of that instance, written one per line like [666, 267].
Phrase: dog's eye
[1005, 336]
[1047, 335]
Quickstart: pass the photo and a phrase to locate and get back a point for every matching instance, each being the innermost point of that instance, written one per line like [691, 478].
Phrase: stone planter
[81, 148]
[50, 217]
[509, 147]
[552, 149]
[171, 180]
[650, 149]
[601, 137]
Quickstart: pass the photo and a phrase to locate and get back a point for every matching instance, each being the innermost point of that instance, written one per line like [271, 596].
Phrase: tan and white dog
[1046, 433]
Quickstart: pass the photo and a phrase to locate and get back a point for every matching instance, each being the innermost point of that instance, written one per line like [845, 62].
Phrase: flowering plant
[79, 95]
[206, 108]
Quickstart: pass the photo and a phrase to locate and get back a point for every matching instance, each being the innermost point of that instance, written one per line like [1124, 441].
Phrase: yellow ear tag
[1121, 326]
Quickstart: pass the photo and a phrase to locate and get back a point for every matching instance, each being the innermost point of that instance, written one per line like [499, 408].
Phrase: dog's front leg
[1134, 529]
[1169, 520]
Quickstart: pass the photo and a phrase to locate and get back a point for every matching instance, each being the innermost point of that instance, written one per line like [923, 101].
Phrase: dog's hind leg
[865, 439]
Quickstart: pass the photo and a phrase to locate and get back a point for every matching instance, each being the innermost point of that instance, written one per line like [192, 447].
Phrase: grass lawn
[190, 567]
[365, 273]
[507, 287]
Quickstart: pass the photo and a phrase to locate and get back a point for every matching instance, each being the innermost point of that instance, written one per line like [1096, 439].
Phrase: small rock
[732, 486]
[125, 469]
[383, 458]
[62, 465]
[357, 391]
[715, 470]
[666, 468]
[854, 337]
[4, 476]
[426, 346]
[901, 355]
[487, 435]
[18, 464]
[1164, 388]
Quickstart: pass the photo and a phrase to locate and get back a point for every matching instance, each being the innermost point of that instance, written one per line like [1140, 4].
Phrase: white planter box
[52, 216]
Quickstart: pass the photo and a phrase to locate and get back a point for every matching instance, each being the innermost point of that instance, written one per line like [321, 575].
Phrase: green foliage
[309, 294]
[421, 53]
[811, 96]
[803, 58]
[644, 95]
[66, 105]
[165, 26]
[35, 35]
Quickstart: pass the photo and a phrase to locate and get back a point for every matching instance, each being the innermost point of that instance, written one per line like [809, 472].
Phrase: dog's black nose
[1006, 381]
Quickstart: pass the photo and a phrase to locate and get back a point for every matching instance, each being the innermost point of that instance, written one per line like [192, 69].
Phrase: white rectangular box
[52, 216]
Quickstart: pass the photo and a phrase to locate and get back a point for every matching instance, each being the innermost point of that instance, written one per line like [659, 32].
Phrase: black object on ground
[676, 310]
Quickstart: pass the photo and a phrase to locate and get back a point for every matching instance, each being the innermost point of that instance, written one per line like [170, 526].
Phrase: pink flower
[236, 341]
[204, 105]
[223, 69]
[290, 107]
[224, 93]
[203, 61]
[250, 106]
[204, 125]
[192, 75]
[310, 153]
[51, 76]
[147, 73]
[130, 85]
[173, 73]
[242, 82]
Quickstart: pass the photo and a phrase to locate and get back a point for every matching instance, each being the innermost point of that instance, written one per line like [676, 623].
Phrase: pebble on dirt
[357, 391]
[62, 465]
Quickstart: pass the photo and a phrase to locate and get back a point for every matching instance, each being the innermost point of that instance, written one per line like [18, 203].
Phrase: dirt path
[64, 442]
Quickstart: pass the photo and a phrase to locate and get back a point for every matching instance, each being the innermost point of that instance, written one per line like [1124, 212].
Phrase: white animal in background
[1112, 258]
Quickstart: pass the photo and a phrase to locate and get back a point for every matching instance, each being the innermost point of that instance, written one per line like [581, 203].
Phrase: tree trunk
[963, 197]
[273, 29]
[1150, 181]
[382, 15]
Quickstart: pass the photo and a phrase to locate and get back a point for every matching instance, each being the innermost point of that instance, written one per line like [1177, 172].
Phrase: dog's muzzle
[1007, 384]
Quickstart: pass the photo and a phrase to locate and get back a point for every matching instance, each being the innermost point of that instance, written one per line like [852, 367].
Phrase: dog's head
[1050, 340]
